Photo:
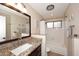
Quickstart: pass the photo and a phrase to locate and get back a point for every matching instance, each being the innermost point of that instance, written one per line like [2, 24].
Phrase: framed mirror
[15, 24]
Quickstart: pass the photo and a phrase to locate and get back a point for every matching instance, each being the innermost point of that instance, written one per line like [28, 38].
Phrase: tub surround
[5, 49]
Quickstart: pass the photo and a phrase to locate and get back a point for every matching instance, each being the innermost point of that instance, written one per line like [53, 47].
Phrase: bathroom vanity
[34, 50]
[18, 40]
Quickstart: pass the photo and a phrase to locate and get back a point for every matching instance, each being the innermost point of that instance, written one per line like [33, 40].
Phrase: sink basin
[21, 49]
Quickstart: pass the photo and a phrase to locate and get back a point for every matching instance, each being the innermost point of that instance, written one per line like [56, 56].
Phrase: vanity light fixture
[21, 6]
[24, 7]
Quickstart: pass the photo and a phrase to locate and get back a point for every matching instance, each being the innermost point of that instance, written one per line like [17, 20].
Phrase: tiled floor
[53, 54]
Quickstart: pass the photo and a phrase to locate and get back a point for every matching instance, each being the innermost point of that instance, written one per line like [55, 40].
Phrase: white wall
[42, 28]
[72, 18]
[76, 46]
[56, 36]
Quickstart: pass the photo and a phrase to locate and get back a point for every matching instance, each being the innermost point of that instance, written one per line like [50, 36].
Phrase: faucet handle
[75, 35]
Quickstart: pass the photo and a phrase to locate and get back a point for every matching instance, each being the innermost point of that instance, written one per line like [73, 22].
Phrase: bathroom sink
[21, 49]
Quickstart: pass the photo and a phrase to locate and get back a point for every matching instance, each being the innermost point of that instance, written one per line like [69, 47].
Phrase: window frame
[53, 24]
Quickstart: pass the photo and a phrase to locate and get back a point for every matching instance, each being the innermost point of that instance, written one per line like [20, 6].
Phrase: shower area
[55, 37]
[60, 39]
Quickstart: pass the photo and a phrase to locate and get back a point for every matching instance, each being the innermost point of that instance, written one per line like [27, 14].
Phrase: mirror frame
[15, 9]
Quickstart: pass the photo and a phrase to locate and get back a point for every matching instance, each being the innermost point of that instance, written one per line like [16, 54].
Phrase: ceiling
[57, 12]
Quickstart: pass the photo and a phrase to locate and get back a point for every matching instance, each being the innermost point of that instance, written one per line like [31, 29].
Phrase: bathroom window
[50, 25]
[57, 24]
[54, 24]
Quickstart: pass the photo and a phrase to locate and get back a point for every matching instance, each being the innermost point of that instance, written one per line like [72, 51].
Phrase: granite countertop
[5, 49]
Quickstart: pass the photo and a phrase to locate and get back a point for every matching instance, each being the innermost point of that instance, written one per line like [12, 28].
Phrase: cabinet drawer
[36, 52]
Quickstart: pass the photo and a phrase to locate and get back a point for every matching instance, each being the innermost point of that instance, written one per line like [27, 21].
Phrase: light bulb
[19, 6]
[24, 10]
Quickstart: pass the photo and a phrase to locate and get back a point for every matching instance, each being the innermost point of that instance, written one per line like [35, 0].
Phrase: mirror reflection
[13, 24]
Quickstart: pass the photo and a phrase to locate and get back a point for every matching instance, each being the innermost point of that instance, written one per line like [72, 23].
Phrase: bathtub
[60, 49]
